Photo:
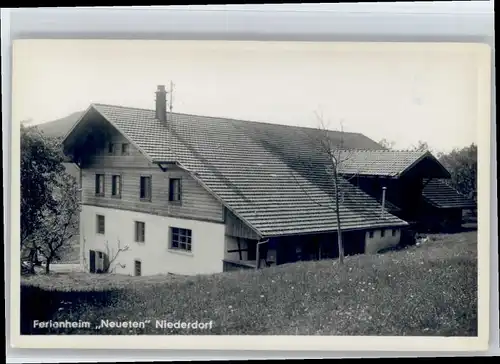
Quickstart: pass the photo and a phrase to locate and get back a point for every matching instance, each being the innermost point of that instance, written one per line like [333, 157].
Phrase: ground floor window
[137, 268]
[180, 239]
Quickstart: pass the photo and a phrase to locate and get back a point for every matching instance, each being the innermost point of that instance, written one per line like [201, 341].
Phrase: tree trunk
[47, 266]
[337, 213]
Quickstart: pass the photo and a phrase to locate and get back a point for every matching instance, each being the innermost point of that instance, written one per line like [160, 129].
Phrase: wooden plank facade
[196, 202]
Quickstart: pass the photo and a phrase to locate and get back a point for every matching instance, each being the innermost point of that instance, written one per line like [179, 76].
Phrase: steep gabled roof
[439, 194]
[254, 168]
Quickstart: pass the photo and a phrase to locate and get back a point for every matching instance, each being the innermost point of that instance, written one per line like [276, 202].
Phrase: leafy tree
[49, 199]
[60, 221]
[462, 165]
[421, 146]
[388, 144]
[41, 163]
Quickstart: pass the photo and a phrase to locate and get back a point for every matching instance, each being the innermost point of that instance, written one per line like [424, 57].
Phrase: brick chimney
[161, 103]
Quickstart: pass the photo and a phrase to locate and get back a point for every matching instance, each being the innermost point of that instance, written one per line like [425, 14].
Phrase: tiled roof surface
[388, 163]
[439, 194]
[266, 173]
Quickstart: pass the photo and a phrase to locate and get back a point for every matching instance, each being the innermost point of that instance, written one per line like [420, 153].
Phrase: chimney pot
[161, 103]
[383, 200]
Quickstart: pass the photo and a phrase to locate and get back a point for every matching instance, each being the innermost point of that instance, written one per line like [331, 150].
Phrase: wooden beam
[239, 247]
[257, 252]
[237, 250]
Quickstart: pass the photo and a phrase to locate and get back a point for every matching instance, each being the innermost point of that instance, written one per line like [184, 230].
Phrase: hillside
[423, 290]
[60, 127]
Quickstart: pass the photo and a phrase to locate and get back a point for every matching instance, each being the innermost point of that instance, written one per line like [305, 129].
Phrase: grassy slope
[426, 290]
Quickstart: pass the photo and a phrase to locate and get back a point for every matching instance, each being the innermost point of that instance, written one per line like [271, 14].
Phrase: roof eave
[330, 231]
[446, 173]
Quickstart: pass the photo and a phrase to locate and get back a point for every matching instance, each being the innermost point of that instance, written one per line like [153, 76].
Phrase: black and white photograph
[251, 189]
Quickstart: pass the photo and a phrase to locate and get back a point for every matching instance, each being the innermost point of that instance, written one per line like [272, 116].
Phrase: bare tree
[112, 255]
[335, 156]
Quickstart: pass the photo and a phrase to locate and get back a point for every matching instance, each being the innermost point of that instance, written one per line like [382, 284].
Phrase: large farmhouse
[167, 192]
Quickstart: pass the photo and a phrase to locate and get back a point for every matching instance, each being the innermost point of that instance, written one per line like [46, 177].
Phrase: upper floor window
[125, 149]
[382, 233]
[174, 191]
[393, 232]
[371, 234]
[99, 184]
[116, 186]
[111, 148]
[145, 188]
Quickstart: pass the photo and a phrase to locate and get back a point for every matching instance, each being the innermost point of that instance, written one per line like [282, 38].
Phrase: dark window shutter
[92, 261]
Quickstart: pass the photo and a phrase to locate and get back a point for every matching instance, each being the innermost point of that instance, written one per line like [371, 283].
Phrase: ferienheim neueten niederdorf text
[111, 324]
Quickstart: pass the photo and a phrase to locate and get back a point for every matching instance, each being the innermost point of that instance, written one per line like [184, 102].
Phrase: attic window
[111, 148]
[125, 148]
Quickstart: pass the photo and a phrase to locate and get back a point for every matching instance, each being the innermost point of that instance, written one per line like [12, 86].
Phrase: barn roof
[268, 175]
[387, 163]
[439, 194]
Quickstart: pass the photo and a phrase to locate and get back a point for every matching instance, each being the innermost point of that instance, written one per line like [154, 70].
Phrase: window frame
[98, 185]
[136, 231]
[382, 233]
[98, 231]
[181, 232]
[178, 193]
[150, 197]
[119, 194]
[371, 234]
[125, 149]
[111, 148]
[135, 268]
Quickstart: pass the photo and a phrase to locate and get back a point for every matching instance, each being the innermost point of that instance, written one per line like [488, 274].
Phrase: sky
[402, 93]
